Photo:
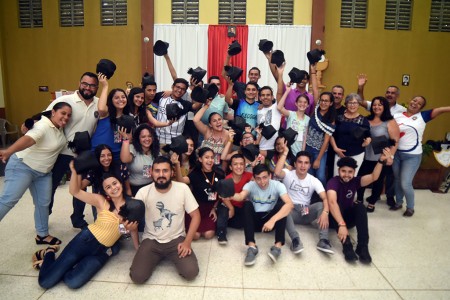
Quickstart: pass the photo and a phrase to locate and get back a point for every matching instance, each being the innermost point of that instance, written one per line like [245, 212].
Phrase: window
[279, 12]
[440, 16]
[114, 12]
[185, 11]
[30, 13]
[232, 11]
[354, 13]
[71, 13]
[398, 14]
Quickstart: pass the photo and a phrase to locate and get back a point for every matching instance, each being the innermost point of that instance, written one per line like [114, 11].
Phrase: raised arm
[282, 101]
[155, 122]
[172, 71]
[202, 128]
[440, 110]
[272, 67]
[229, 93]
[125, 155]
[362, 80]
[178, 176]
[280, 83]
[102, 107]
[314, 84]
[281, 161]
[76, 191]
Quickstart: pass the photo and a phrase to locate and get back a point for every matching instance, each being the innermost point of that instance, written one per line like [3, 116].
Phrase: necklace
[212, 180]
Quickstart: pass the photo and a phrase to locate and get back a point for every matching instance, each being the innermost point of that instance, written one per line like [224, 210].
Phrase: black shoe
[349, 253]
[409, 212]
[395, 207]
[80, 225]
[390, 201]
[363, 253]
[222, 238]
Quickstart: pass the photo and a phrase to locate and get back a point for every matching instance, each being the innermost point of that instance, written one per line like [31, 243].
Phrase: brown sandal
[38, 256]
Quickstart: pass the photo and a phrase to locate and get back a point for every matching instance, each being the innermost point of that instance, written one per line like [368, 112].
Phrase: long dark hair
[202, 152]
[386, 114]
[99, 172]
[102, 191]
[154, 147]
[193, 156]
[141, 111]
[112, 111]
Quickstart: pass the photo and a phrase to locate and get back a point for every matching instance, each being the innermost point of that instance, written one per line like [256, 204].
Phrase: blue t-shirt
[248, 111]
[107, 134]
[265, 200]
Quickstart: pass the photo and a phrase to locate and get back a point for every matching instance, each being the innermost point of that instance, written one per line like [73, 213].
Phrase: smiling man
[166, 203]
[247, 107]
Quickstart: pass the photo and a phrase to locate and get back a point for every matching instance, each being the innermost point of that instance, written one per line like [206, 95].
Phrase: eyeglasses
[325, 100]
[88, 85]
[181, 88]
[353, 103]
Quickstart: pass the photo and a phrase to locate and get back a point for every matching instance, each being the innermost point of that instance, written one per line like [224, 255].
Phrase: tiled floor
[410, 261]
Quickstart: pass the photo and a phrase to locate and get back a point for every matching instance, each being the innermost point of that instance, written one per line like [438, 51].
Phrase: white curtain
[293, 40]
[188, 48]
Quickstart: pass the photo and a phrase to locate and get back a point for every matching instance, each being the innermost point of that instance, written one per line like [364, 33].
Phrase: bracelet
[327, 212]
[342, 224]
[125, 140]
[383, 162]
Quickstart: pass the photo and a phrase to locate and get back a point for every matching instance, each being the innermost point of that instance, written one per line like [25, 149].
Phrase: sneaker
[363, 253]
[409, 212]
[250, 258]
[222, 238]
[349, 253]
[324, 246]
[390, 201]
[274, 253]
[296, 246]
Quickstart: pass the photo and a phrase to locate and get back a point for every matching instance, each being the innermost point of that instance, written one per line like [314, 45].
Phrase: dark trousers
[355, 215]
[377, 186]
[59, 169]
[237, 221]
[390, 182]
[254, 221]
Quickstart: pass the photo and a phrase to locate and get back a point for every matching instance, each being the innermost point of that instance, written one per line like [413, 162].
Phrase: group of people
[317, 176]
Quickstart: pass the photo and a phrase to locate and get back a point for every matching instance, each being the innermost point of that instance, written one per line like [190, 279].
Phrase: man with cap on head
[267, 209]
[345, 212]
[300, 186]
[164, 236]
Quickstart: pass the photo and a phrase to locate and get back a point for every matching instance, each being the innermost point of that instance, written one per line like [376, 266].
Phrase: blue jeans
[320, 172]
[80, 260]
[405, 167]
[18, 178]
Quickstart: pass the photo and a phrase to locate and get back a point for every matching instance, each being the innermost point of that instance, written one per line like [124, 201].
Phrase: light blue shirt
[265, 200]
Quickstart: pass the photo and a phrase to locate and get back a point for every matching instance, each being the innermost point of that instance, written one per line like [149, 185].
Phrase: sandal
[370, 208]
[41, 240]
[38, 256]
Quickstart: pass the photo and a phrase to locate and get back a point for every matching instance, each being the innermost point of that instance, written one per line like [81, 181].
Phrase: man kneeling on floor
[164, 235]
[341, 191]
[267, 210]
[300, 187]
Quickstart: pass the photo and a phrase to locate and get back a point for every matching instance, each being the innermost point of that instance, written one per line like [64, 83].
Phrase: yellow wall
[384, 55]
[57, 56]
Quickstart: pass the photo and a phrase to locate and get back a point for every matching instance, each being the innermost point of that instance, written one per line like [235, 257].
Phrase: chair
[6, 128]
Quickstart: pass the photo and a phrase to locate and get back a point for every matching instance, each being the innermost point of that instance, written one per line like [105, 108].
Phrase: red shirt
[246, 177]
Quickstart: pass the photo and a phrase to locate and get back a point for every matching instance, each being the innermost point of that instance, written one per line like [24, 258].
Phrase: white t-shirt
[50, 141]
[84, 118]
[301, 190]
[269, 116]
[164, 213]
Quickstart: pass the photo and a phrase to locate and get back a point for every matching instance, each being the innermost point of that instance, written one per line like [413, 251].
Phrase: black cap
[290, 135]
[147, 79]
[85, 161]
[173, 111]
[178, 145]
[233, 72]
[133, 210]
[127, 122]
[81, 142]
[238, 124]
[199, 94]
[160, 48]
[198, 73]
[225, 188]
[315, 55]
[277, 58]
[268, 131]
[106, 67]
[212, 90]
[234, 48]
[250, 152]
[295, 75]
[265, 45]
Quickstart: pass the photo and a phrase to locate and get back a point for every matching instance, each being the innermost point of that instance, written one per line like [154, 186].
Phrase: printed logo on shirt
[165, 214]
[298, 188]
[349, 194]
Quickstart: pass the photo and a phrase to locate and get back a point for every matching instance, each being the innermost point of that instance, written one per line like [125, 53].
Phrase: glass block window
[232, 11]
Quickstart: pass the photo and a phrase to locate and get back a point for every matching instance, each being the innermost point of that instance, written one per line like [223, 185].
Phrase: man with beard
[84, 118]
[164, 236]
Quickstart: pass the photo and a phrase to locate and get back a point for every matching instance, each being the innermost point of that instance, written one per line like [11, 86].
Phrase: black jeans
[254, 221]
[60, 168]
[237, 221]
[377, 186]
[355, 216]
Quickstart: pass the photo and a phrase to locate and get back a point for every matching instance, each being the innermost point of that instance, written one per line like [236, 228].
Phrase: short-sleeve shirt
[300, 126]
[345, 191]
[165, 134]
[248, 111]
[218, 105]
[246, 177]
[265, 200]
[140, 167]
[50, 141]
[292, 97]
[269, 116]
[411, 131]
[164, 212]
[301, 190]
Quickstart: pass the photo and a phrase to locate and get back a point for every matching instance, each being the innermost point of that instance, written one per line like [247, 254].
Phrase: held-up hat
[173, 111]
[360, 133]
[106, 67]
[314, 56]
[127, 122]
[234, 48]
[160, 48]
[380, 142]
[267, 131]
[290, 135]
[212, 90]
[295, 75]
[238, 124]
[133, 210]
[277, 58]
[81, 142]
[198, 73]
[199, 94]
[265, 45]
[225, 188]
[147, 79]
[178, 145]
[233, 72]
[250, 152]
[85, 161]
